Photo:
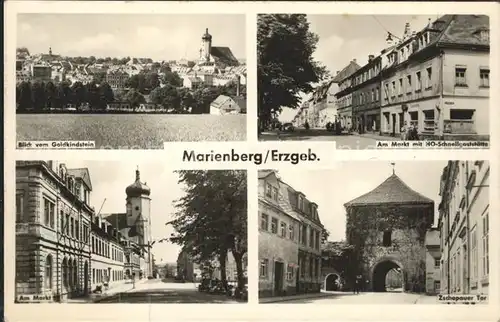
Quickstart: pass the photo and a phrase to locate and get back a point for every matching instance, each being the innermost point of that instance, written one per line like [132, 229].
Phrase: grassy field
[131, 131]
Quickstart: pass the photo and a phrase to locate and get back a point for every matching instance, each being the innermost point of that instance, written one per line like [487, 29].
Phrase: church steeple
[50, 51]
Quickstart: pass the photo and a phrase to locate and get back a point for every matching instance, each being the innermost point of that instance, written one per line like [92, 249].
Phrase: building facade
[290, 235]
[324, 105]
[108, 255]
[366, 96]
[438, 80]
[278, 239]
[464, 227]
[432, 262]
[53, 228]
[345, 93]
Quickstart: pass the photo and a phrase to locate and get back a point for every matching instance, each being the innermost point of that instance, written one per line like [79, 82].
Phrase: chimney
[337, 72]
[407, 32]
[370, 58]
[237, 85]
[354, 60]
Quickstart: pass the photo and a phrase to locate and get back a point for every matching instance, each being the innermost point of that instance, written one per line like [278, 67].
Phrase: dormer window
[275, 193]
[301, 202]
[269, 189]
[484, 35]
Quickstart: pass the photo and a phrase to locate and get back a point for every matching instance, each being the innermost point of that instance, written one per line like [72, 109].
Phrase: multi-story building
[432, 262]
[108, 254]
[116, 79]
[41, 72]
[344, 93]
[290, 234]
[53, 227]
[464, 227]
[324, 108]
[278, 238]
[438, 79]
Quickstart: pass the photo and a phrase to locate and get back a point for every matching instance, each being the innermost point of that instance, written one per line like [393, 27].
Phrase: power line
[383, 27]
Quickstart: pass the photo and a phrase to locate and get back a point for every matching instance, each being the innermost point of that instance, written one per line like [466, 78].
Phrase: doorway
[278, 277]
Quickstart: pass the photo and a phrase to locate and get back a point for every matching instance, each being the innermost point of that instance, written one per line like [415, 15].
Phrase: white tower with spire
[139, 217]
[206, 46]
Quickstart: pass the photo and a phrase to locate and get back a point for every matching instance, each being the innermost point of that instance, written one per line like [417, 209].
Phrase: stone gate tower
[387, 227]
[139, 217]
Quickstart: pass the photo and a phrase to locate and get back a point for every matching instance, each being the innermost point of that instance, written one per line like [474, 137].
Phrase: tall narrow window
[486, 258]
[460, 76]
[20, 208]
[484, 77]
[275, 194]
[418, 85]
[387, 240]
[428, 82]
[283, 229]
[48, 272]
[408, 82]
[269, 189]
[274, 225]
[291, 232]
[264, 263]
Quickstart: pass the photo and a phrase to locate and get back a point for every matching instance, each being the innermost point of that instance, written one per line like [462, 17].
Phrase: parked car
[287, 127]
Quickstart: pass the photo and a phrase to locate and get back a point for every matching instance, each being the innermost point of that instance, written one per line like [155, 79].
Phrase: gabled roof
[346, 72]
[220, 101]
[118, 220]
[224, 55]
[392, 191]
[464, 30]
[82, 173]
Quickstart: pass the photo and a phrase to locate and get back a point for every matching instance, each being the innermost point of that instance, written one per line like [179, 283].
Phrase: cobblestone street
[157, 291]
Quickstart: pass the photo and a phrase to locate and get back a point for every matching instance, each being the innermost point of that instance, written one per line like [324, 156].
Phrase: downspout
[441, 90]
[467, 223]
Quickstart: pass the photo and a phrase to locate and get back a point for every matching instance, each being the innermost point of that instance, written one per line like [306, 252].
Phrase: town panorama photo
[122, 85]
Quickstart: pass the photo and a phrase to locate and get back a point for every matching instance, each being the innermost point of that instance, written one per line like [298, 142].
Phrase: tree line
[39, 96]
[211, 219]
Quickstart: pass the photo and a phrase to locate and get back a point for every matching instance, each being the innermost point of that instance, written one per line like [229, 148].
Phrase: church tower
[206, 46]
[139, 217]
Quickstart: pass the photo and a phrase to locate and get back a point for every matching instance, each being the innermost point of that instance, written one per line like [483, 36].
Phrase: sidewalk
[298, 297]
[375, 136]
[94, 297]
[427, 299]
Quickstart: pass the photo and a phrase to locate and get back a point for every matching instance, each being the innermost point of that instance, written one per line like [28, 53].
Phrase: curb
[297, 298]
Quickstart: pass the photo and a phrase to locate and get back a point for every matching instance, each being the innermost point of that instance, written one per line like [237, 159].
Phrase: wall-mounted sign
[449, 103]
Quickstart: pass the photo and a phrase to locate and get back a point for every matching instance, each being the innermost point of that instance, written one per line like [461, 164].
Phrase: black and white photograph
[374, 232]
[117, 232]
[359, 79]
[130, 81]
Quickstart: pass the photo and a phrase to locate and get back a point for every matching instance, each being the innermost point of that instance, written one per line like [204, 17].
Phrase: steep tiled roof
[82, 173]
[346, 72]
[465, 30]
[220, 101]
[224, 55]
[119, 219]
[392, 191]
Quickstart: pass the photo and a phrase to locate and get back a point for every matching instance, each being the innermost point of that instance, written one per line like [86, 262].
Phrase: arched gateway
[387, 227]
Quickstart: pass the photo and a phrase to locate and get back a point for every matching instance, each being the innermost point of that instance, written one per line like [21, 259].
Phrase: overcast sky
[343, 38]
[156, 36]
[109, 180]
[332, 188]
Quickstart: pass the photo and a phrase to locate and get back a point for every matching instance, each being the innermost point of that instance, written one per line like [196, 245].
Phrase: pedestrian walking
[404, 131]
